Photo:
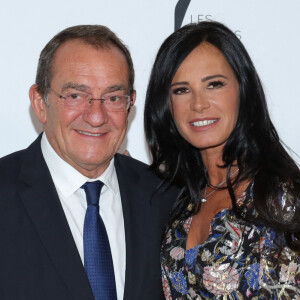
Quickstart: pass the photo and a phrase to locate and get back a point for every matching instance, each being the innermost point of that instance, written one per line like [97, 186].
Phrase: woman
[234, 230]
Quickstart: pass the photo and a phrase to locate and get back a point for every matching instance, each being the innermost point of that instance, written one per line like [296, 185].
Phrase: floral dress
[238, 260]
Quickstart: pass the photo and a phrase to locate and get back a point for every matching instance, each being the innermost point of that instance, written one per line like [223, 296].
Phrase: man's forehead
[70, 46]
[76, 51]
[76, 61]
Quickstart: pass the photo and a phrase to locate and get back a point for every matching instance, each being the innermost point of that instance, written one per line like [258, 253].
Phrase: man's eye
[114, 99]
[215, 84]
[75, 96]
[181, 91]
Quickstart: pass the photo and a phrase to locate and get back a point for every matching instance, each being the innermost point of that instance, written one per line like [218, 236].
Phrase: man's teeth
[203, 123]
[91, 134]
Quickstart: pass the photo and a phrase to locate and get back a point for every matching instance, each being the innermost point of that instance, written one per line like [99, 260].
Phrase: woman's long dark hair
[254, 143]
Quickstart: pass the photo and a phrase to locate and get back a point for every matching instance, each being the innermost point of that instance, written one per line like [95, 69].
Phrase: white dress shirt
[68, 181]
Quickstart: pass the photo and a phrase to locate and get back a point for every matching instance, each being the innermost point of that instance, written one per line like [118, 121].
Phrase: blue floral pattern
[239, 260]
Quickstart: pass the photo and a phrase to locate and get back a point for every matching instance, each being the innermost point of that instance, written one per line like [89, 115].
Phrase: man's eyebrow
[75, 86]
[85, 88]
[114, 88]
[212, 77]
[180, 83]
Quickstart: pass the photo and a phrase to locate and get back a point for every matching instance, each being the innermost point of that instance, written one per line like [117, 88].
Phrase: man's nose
[96, 114]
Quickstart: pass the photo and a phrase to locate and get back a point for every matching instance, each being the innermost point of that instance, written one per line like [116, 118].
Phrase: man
[48, 249]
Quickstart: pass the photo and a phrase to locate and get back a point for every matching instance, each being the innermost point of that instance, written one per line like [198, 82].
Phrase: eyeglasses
[76, 100]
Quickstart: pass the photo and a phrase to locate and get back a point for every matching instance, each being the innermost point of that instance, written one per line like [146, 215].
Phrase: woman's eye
[180, 91]
[215, 84]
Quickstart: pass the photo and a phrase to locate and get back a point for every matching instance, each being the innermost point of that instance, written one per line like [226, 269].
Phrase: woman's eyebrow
[212, 77]
[203, 79]
[180, 83]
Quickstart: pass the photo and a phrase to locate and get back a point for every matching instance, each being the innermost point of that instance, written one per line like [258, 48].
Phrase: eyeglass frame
[102, 99]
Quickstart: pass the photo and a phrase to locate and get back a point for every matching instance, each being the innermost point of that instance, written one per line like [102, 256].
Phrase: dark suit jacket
[38, 256]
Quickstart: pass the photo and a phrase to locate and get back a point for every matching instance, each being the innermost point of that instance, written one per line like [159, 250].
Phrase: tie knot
[92, 191]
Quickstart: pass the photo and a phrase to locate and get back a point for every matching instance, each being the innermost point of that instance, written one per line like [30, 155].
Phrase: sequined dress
[238, 260]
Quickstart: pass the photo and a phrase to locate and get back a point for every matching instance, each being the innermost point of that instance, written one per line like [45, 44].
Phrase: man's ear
[38, 104]
[133, 97]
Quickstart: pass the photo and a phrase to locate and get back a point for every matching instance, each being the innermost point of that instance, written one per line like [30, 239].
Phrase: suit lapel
[44, 209]
[145, 215]
[136, 208]
[127, 198]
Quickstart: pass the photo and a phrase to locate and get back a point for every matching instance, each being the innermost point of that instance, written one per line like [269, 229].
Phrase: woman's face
[204, 97]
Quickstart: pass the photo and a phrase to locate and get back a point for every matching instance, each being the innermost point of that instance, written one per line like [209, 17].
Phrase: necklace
[204, 198]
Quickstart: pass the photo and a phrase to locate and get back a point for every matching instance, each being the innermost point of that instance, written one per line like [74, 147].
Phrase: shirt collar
[67, 179]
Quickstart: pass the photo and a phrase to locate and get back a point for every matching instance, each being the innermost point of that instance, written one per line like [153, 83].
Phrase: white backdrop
[269, 29]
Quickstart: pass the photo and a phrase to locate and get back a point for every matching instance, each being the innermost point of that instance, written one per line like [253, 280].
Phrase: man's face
[87, 139]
